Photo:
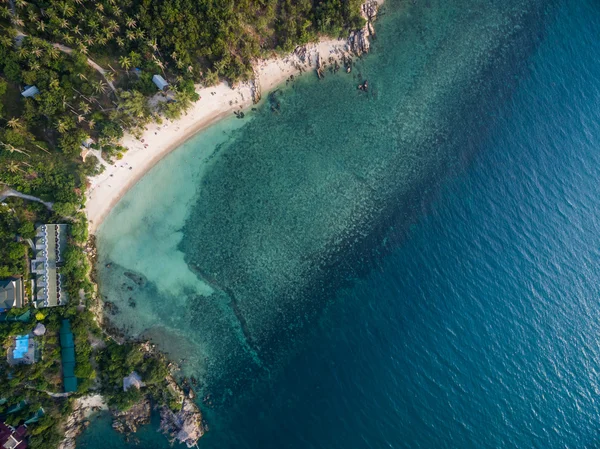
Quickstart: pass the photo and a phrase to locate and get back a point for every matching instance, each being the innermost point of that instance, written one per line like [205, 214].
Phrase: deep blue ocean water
[478, 326]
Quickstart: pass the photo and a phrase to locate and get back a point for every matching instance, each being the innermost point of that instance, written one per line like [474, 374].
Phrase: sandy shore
[215, 103]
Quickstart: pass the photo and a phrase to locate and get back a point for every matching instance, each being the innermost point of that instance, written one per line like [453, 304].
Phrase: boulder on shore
[185, 426]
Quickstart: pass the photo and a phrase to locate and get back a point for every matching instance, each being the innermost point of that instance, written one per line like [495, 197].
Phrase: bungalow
[30, 91]
[160, 82]
[87, 143]
[133, 380]
[11, 293]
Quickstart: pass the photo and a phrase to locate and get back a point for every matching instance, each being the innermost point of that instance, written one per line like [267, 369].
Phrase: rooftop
[11, 293]
[50, 245]
[133, 380]
[160, 82]
[11, 438]
[30, 91]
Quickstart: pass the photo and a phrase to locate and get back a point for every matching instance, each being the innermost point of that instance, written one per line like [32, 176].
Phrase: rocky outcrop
[185, 426]
[256, 91]
[358, 41]
[78, 419]
[129, 421]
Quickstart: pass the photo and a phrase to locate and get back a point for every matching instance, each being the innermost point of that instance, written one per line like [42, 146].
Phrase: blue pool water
[21, 346]
[477, 322]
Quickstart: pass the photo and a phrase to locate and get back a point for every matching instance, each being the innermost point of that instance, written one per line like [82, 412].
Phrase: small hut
[133, 380]
[30, 91]
[160, 82]
[39, 330]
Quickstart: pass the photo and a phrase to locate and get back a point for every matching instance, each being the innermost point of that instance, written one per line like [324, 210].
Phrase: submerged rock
[137, 278]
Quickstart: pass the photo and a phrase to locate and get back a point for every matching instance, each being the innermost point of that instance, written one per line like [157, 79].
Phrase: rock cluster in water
[137, 415]
[185, 426]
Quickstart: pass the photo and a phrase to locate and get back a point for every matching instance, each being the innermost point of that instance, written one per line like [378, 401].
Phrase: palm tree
[62, 126]
[131, 23]
[54, 84]
[99, 87]
[162, 66]
[21, 3]
[125, 62]
[110, 76]
[6, 41]
[53, 52]
[130, 35]
[41, 26]
[15, 123]
[13, 167]
[67, 9]
[17, 21]
[23, 52]
[91, 124]
[120, 41]
[84, 107]
[68, 38]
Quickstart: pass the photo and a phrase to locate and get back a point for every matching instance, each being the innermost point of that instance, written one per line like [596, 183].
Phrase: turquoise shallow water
[425, 277]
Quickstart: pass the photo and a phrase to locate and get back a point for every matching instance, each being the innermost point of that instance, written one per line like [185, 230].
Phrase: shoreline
[216, 103]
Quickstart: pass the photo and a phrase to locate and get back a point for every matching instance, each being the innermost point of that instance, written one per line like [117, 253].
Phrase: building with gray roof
[11, 293]
[160, 82]
[50, 245]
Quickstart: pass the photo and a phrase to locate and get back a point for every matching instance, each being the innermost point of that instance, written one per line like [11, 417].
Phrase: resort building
[160, 82]
[11, 293]
[133, 380]
[67, 351]
[22, 351]
[11, 438]
[50, 244]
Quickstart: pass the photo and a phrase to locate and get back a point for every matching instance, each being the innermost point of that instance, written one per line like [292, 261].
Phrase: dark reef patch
[302, 201]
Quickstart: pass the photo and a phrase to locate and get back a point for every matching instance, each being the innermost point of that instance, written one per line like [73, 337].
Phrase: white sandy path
[107, 188]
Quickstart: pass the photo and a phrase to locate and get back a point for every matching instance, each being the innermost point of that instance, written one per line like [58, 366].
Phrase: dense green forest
[92, 63]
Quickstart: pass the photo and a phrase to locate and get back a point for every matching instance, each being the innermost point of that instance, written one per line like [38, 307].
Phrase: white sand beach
[215, 103]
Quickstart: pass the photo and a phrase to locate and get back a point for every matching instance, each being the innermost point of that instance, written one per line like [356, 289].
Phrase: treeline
[197, 38]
